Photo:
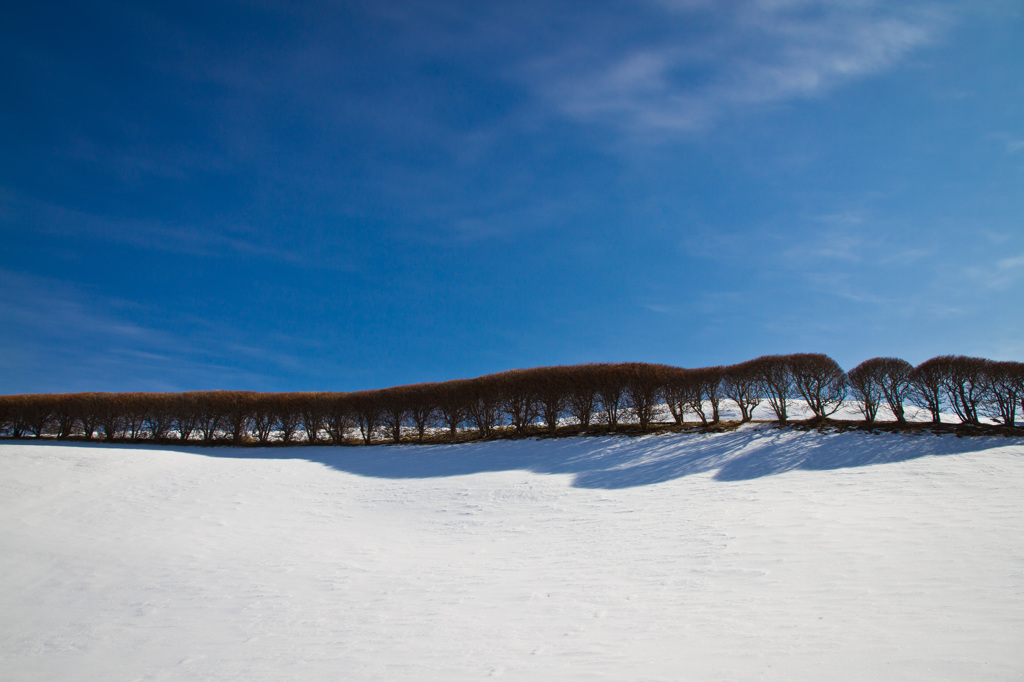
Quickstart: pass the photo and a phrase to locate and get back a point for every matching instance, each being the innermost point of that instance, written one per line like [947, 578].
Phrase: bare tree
[866, 381]
[109, 415]
[85, 411]
[965, 386]
[186, 409]
[134, 410]
[311, 409]
[394, 410]
[210, 412]
[12, 415]
[484, 404]
[159, 414]
[958, 379]
[264, 416]
[610, 392]
[64, 415]
[367, 409]
[42, 415]
[895, 377]
[451, 400]
[7, 414]
[37, 413]
[289, 412]
[706, 391]
[236, 408]
[775, 382]
[582, 396]
[519, 399]
[926, 382]
[820, 381]
[676, 391]
[552, 394]
[1005, 387]
[421, 409]
[339, 412]
[740, 385]
[643, 386]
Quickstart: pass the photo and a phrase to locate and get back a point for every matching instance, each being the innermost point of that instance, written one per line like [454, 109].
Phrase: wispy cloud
[1011, 263]
[59, 337]
[153, 235]
[998, 276]
[1012, 144]
[754, 52]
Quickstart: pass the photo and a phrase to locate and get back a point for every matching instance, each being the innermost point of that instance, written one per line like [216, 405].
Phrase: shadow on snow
[612, 462]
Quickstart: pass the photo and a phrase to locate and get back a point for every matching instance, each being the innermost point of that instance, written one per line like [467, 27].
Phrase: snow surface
[758, 554]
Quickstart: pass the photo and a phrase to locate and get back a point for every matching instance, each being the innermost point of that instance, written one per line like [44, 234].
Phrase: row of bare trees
[521, 402]
[971, 387]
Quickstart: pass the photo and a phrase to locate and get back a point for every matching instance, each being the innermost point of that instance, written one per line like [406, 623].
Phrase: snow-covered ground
[757, 554]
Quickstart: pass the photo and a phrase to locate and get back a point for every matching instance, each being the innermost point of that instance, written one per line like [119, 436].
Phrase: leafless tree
[450, 399]
[676, 390]
[134, 410]
[421, 409]
[236, 408]
[867, 381]
[289, 413]
[582, 397]
[926, 386]
[552, 394]
[339, 413]
[367, 409]
[64, 415]
[87, 413]
[643, 386]
[159, 414]
[705, 392]
[186, 410]
[1005, 387]
[966, 387]
[108, 408]
[483, 404]
[820, 381]
[896, 387]
[775, 382]
[12, 419]
[7, 414]
[394, 404]
[740, 385]
[519, 399]
[37, 414]
[264, 416]
[311, 409]
[214, 413]
[611, 391]
[957, 378]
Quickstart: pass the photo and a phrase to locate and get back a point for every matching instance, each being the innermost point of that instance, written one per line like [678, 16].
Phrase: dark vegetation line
[592, 398]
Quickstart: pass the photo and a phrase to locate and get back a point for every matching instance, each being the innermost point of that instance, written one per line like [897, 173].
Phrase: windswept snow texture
[759, 554]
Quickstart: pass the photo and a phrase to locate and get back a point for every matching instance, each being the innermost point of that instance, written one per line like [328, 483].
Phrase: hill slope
[761, 553]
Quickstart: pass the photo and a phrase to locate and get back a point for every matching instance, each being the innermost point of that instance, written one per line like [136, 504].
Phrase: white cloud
[755, 52]
[220, 240]
[65, 337]
[1011, 263]
[1006, 273]
[1011, 143]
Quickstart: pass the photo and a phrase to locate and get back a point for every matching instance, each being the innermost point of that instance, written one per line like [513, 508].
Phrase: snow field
[758, 554]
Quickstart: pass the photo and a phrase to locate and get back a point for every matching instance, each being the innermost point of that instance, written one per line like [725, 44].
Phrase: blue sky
[335, 196]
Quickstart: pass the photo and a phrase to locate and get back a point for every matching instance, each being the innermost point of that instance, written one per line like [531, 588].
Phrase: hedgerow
[589, 398]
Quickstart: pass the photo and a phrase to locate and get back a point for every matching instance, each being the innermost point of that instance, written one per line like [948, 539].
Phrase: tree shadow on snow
[612, 462]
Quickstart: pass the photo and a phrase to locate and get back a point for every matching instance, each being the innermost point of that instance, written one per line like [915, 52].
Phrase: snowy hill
[756, 554]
